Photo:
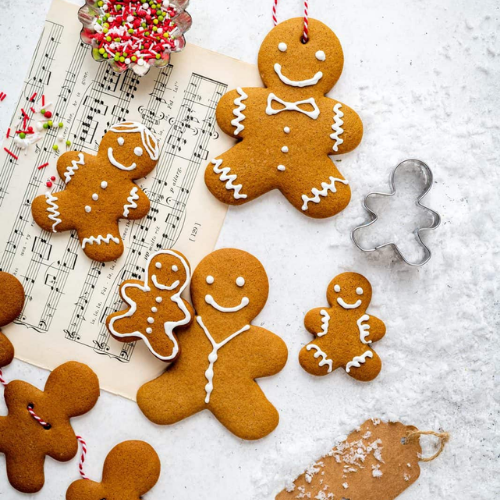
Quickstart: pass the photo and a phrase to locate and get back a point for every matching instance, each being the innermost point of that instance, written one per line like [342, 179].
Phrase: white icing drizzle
[337, 126]
[325, 322]
[70, 171]
[358, 361]
[168, 325]
[324, 191]
[100, 239]
[212, 302]
[292, 106]
[364, 329]
[117, 164]
[324, 359]
[346, 305]
[131, 201]
[238, 111]
[297, 83]
[53, 210]
[228, 179]
[212, 357]
[148, 139]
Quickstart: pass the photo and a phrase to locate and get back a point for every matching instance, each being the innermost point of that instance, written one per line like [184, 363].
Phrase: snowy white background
[424, 76]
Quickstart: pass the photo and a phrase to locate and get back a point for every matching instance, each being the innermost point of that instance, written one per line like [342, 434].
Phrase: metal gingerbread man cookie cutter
[436, 219]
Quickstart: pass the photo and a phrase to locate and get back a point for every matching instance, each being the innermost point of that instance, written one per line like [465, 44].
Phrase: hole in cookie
[304, 40]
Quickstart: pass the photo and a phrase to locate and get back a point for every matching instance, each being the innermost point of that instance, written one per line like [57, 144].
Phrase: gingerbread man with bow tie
[287, 130]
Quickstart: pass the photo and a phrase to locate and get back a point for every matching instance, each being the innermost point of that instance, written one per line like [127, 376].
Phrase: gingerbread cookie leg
[25, 475]
[365, 366]
[231, 177]
[328, 194]
[101, 242]
[250, 417]
[47, 209]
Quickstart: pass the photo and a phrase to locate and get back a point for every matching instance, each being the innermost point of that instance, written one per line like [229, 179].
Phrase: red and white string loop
[2, 380]
[42, 422]
[305, 36]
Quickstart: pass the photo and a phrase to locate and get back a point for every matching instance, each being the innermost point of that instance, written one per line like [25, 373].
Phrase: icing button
[88, 209]
[151, 320]
[158, 299]
[281, 168]
[284, 149]
[104, 184]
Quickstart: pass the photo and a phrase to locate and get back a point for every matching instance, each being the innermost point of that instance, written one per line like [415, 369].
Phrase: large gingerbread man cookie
[72, 389]
[130, 470]
[100, 190]
[288, 129]
[155, 305]
[344, 332]
[11, 305]
[222, 352]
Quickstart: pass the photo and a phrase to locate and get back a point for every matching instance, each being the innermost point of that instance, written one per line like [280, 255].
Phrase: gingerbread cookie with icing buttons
[11, 305]
[155, 307]
[222, 352]
[287, 130]
[99, 190]
[131, 469]
[344, 332]
[71, 390]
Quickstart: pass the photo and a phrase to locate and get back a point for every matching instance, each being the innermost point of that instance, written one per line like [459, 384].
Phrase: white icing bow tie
[292, 106]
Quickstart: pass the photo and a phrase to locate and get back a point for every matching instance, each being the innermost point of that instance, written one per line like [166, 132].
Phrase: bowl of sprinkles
[134, 34]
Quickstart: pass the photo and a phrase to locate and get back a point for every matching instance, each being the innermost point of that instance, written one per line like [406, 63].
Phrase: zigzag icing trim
[100, 239]
[324, 357]
[337, 126]
[325, 321]
[358, 361]
[54, 210]
[131, 201]
[70, 171]
[324, 191]
[238, 111]
[228, 179]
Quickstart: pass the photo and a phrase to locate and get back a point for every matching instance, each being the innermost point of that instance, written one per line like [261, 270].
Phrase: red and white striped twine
[2, 380]
[82, 442]
[305, 36]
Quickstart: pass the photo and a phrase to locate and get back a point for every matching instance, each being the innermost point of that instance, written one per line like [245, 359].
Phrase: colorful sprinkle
[43, 166]
[11, 154]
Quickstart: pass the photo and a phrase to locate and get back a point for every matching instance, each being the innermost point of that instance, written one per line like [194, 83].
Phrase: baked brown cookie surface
[222, 352]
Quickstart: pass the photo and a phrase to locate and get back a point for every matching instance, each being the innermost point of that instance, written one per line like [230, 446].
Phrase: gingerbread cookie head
[229, 285]
[168, 270]
[38, 422]
[11, 305]
[344, 332]
[131, 148]
[130, 470]
[285, 62]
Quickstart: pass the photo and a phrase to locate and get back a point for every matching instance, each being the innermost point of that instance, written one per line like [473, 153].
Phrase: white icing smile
[297, 83]
[160, 286]
[117, 164]
[211, 301]
[346, 305]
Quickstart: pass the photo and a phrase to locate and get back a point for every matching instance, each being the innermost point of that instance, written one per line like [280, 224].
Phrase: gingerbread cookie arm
[347, 129]
[371, 329]
[231, 112]
[6, 351]
[137, 204]
[317, 321]
[54, 212]
[71, 165]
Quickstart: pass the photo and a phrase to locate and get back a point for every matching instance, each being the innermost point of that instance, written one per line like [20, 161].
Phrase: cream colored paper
[68, 295]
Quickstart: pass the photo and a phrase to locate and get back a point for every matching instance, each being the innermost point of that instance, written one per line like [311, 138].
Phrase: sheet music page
[69, 296]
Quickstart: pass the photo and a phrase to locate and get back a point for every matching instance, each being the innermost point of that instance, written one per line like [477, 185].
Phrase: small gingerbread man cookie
[222, 352]
[344, 332]
[11, 305]
[288, 129]
[72, 389]
[99, 190]
[155, 305]
[130, 470]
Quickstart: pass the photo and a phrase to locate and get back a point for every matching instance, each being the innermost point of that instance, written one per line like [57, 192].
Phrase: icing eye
[337, 288]
[359, 291]
[240, 281]
[158, 265]
[282, 47]
[320, 55]
[138, 151]
[175, 269]
[121, 141]
[210, 279]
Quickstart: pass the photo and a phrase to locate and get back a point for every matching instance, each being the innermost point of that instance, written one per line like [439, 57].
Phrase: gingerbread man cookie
[344, 332]
[222, 352]
[155, 305]
[72, 389]
[288, 129]
[99, 190]
[130, 470]
[11, 305]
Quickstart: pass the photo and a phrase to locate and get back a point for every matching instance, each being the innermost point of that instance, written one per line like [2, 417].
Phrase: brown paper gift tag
[373, 463]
